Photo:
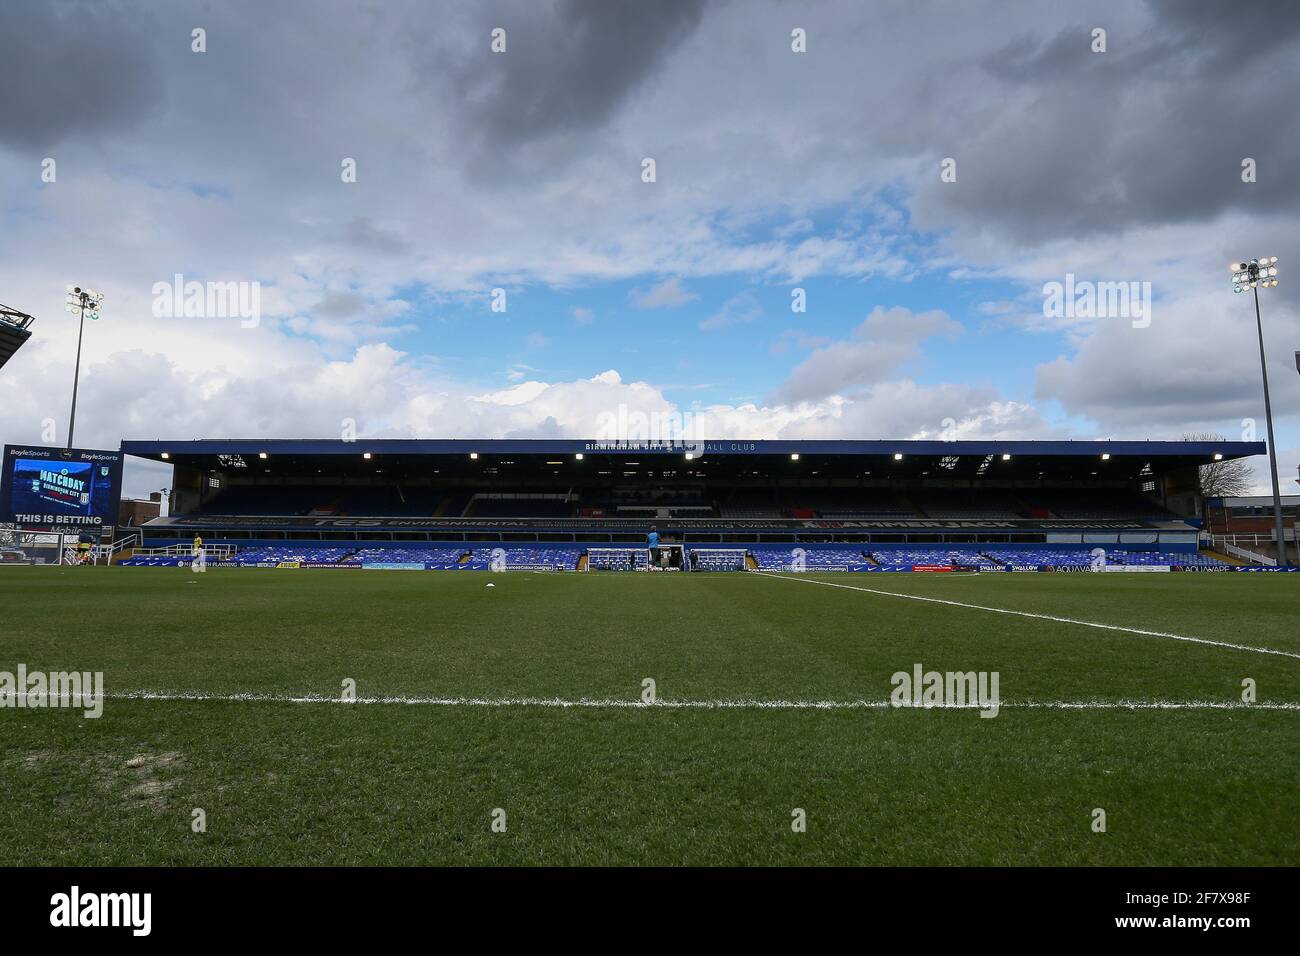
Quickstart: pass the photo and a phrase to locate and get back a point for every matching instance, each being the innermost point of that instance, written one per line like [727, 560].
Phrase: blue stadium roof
[562, 446]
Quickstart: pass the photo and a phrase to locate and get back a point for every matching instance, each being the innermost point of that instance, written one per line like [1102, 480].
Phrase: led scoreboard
[61, 489]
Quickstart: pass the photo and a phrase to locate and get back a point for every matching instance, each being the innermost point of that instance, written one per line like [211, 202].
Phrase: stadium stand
[1103, 505]
[869, 505]
[15, 330]
[928, 557]
[810, 558]
[857, 503]
[967, 504]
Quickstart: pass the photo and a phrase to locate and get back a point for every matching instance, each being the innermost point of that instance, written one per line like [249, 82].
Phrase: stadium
[523, 685]
[578, 505]
[694, 434]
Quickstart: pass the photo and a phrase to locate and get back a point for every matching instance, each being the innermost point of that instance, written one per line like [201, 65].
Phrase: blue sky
[920, 170]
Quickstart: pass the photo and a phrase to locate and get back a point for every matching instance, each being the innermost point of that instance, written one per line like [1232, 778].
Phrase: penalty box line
[1035, 616]
[739, 703]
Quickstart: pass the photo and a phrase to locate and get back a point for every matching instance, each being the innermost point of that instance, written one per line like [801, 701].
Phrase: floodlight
[1259, 273]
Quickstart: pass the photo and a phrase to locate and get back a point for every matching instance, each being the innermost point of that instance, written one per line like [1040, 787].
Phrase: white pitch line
[740, 703]
[1040, 617]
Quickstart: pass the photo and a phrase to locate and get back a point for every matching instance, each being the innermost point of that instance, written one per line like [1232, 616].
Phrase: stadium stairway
[1219, 556]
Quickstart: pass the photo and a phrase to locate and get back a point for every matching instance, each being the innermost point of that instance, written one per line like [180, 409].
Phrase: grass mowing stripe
[1041, 617]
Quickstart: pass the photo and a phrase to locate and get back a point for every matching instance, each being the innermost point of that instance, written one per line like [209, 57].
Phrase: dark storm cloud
[72, 68]
[567, 67]
[1153, 131]
[1227, 38]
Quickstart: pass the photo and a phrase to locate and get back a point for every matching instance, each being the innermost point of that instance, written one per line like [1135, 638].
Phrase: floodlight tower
[80, 302]
[1254, 275]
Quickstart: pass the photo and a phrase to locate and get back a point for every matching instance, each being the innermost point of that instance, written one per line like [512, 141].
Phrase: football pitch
[509, 724]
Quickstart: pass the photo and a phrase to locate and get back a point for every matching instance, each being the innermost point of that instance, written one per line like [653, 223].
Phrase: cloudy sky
[921, 173]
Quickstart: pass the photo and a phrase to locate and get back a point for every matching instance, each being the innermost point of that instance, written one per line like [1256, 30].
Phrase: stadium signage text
[672, 445]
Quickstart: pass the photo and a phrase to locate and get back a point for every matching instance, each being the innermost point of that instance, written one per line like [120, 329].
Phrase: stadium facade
[456, 500]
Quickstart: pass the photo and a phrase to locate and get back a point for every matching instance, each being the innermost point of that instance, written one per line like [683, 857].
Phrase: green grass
[395, 783]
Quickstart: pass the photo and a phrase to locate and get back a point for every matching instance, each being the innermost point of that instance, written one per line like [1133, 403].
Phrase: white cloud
[669, 294]
[740, 309]
[880, 345]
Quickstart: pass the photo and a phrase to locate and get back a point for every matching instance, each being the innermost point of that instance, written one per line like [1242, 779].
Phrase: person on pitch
[652, 546]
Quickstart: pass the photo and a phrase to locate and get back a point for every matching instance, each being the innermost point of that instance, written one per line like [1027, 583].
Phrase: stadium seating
[933, 557]
[1164, 557]
[308, 554]
[767, 557]
[809, 557]
[966, 505]
[853, 503]
[445, 556]
[751, 503]
[535, 557]
[1039, 556]
[520, 508]
[1090, 504]
[1082, 557]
